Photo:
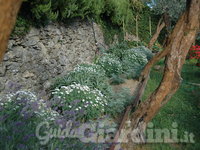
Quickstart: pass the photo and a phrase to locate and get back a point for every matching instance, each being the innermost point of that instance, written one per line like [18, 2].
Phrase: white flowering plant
[133, 63]
[145, 51]
[111, 64]
[91, 75]
[26, 103]
[91, 103]
[133, 60]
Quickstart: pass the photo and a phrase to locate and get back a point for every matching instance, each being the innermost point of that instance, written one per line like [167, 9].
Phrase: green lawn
[183, 108]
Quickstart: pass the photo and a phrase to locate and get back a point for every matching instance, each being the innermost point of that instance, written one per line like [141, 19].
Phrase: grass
[183, 107]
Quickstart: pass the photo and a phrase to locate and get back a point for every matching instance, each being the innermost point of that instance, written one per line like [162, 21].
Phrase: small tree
[169, 10]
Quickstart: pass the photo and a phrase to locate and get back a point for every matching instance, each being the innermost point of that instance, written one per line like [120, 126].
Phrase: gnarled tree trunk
[176, 50]
[8, 14]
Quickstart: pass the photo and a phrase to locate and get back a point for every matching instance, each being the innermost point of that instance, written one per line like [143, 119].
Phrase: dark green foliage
[143, 24]
[173, 7]
[119, 49]
[115, 79]
[116, 17]
[111, 30]
[22, 26]
[198, 39]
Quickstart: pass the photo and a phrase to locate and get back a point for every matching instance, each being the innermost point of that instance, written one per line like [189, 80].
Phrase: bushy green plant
[133, 62]
[91, 75]
[78, 97]
[42, 11]
[119, 49]
[121, 11]
[145, 51]
[117, 102]
[111, 64]
[22, 26]
[110, 31]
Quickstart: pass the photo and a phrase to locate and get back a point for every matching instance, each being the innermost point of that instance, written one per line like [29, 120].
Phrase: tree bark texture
[8, 14]
[160, 26]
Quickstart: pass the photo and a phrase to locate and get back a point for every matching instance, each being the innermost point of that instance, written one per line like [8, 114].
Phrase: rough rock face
[34, 61]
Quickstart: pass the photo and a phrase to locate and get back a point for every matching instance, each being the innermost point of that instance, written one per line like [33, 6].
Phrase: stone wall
[34, 61]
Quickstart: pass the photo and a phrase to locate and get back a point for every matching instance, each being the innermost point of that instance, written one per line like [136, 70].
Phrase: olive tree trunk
[8, 14]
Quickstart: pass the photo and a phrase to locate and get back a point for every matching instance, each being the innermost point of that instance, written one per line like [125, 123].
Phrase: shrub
[145, 51]
[91, 102]
[119, 49]
[118, 101]
[42, 12]
[111, 64]
[85, 74]
[133, 62]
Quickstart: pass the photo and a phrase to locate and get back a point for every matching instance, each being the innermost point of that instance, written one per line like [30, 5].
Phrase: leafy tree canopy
[173, 7]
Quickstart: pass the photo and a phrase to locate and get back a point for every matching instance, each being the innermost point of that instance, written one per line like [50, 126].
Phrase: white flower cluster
[89, 68]
[110, 59]
[110, 63]
[87, 96]
[133, 58]
[28, 99]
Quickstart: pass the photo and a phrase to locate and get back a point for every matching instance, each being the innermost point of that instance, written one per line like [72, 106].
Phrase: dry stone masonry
[32, 62]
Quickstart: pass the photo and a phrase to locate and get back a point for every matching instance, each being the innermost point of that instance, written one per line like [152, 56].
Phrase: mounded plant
[133, 62]
[91, 75]
[91, 103]
[111, 64]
